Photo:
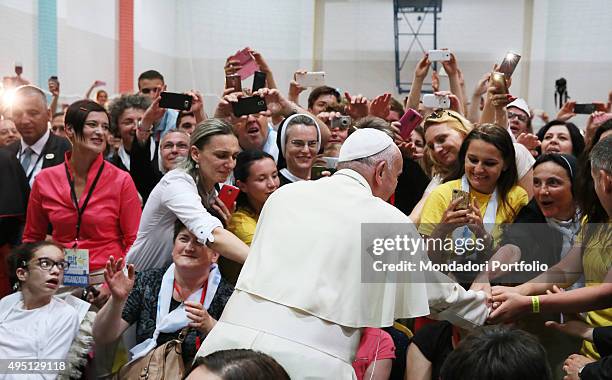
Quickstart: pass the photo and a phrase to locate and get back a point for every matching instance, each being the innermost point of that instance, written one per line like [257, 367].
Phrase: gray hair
[601, 155]
[359, 164]
[30, 90]
[125, 101]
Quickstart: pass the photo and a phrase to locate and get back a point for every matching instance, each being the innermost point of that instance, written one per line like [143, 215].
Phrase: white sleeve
[65, 328]
[524, 159]
[181, 198]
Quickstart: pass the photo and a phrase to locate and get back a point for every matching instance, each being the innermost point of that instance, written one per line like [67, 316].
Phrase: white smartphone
[439, 55]
[436, 101]
[311, 79]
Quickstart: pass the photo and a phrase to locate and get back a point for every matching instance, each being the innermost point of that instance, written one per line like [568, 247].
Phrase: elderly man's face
[8, 133]
[30, 115]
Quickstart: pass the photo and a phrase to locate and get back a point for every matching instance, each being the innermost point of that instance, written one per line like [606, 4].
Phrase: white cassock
[300, 297]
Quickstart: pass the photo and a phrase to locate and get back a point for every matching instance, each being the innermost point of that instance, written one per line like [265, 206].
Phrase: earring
[197, 166]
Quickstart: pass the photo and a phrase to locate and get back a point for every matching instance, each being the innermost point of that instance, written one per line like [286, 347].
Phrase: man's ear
[379, 171]
[606, 181]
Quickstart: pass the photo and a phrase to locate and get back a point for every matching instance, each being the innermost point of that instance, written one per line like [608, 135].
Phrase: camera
[343, 122]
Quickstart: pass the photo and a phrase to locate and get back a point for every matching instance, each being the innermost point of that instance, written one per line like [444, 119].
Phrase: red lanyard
[204, 289]
[456, 337]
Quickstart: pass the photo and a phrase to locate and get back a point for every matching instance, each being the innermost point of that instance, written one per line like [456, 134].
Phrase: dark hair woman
[90, 205]
[257, 178]
[561, 137]
[487, 177]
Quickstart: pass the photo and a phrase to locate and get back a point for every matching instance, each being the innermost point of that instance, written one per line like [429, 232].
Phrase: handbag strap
[183, 334]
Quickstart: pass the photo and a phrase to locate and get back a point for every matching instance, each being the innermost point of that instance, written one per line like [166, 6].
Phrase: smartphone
[228, 195]
[259, 80]
[499, 80]
[316, 172]
[175, 101]
[509, 63]
[342, 122]
[408, 122]
[233, 81]
[247, 63]
[436, 101]
[249, 106]
[585, 109]
[439, 55]
[465, 199]
[311, 79]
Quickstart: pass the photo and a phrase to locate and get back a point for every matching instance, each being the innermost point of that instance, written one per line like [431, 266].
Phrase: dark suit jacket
[143, 170]
[601, 369]
[53, 151]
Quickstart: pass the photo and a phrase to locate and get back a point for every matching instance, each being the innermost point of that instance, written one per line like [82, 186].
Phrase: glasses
[312, 144]
[48, 264]
[512, 115]
[179, 146]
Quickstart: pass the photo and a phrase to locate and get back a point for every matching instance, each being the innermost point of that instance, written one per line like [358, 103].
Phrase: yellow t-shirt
[242, 224]
[596, 263]
[441, 197]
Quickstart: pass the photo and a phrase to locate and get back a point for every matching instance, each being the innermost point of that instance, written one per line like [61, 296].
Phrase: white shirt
[175, 197]
[43, 333]
[35, 164]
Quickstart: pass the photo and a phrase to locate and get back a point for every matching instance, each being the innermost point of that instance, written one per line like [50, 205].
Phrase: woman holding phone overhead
[189, 193]
[92, 206]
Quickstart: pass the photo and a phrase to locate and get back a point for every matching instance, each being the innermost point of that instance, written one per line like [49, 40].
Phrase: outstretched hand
[119, 284]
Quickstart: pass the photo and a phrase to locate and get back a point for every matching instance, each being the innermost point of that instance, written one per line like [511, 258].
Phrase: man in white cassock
[300, 297]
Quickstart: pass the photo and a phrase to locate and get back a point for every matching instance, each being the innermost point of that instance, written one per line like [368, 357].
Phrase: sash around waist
[248, 310]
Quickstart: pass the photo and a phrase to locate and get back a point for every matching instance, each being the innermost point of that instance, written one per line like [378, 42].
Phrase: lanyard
[81, 210]
[204, 288]
[29, 176]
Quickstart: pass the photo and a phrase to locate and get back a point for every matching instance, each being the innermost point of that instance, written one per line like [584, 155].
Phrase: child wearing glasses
[34, 322]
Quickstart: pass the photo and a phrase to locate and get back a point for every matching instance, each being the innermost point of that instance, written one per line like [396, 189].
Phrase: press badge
[78, 272]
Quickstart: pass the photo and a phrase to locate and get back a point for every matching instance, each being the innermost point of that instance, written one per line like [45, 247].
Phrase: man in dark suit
[38, 148]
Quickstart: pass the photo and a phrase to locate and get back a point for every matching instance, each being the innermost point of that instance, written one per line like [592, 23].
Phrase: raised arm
[420, 72]
[109, 325]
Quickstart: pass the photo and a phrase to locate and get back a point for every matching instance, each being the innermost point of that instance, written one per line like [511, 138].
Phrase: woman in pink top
[105, 222]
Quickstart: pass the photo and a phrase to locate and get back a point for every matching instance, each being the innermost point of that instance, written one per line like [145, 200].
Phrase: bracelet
[535, 304]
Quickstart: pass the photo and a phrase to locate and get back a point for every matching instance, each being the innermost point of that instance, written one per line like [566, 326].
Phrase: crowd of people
[118, 207]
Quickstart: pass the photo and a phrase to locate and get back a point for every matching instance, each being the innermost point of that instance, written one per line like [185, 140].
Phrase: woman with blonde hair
[189, 193]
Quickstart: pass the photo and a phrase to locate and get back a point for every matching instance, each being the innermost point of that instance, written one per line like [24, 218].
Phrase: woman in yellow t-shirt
[257, 177]
[487, 172]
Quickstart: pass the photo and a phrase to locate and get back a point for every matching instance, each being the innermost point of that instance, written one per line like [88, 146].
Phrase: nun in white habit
[300, 297]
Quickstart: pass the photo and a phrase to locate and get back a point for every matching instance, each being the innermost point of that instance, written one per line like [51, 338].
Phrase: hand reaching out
[380, 106]
[357, 106]
[119, 284]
